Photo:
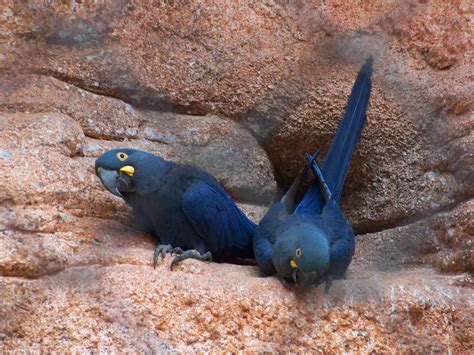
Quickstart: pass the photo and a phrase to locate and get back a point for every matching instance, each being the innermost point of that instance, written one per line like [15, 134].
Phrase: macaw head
[123, 171]
[301, 254]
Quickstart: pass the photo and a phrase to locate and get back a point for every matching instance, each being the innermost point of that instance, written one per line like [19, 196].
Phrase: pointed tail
[343, 145]
[337, 160]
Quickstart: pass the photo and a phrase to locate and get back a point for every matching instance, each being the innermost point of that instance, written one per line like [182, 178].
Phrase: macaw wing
[222, 226]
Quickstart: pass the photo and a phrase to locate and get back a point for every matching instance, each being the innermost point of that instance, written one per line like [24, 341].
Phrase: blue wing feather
[223, 228]
[342, 237]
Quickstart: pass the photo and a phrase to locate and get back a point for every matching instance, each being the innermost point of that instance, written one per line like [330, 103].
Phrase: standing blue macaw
[313, 241]
[185, 207]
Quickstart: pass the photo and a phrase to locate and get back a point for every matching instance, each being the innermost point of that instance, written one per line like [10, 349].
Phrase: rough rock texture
[242, 91]
[126, 307]
[207, 141]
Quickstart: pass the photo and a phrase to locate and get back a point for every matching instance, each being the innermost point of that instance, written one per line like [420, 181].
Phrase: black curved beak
[294, 275]
[303, 279]
[109, 180]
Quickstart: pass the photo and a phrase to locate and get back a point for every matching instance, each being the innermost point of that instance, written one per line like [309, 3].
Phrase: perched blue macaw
[313, 241]
[181, 204]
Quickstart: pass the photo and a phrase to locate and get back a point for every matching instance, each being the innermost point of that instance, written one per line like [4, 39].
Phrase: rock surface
[126, 307]
[242, 91]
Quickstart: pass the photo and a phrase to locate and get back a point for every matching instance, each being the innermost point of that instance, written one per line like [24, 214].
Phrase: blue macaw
[313, 242]
[181, 204]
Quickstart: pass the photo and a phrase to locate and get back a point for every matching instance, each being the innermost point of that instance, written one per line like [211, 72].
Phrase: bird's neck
[157, 169]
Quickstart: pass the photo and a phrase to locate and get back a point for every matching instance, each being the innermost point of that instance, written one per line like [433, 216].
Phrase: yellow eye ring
[298, 252]
[122, 156]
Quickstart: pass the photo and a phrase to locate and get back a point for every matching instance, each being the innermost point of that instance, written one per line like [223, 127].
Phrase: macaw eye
[122, 156]
[298, 252]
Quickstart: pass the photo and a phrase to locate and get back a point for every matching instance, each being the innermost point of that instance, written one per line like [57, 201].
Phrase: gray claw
[160, 252]
[176, 251]
[191, 254]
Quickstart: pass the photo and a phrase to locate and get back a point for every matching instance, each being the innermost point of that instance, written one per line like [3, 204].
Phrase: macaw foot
[161, 250]
[190, 254]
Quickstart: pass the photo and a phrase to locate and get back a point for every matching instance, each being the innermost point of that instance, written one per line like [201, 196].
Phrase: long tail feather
[320, 179]
[288, 200]
[344, 143]
[340, 152]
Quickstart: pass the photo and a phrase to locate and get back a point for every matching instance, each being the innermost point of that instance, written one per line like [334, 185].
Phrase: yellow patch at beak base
[293, 264]
[127, 169]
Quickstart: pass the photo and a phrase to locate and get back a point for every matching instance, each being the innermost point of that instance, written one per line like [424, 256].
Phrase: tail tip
[367, 67]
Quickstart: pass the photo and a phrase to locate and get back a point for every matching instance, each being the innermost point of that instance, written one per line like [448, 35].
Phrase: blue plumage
[314, 241]
[181, 204]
